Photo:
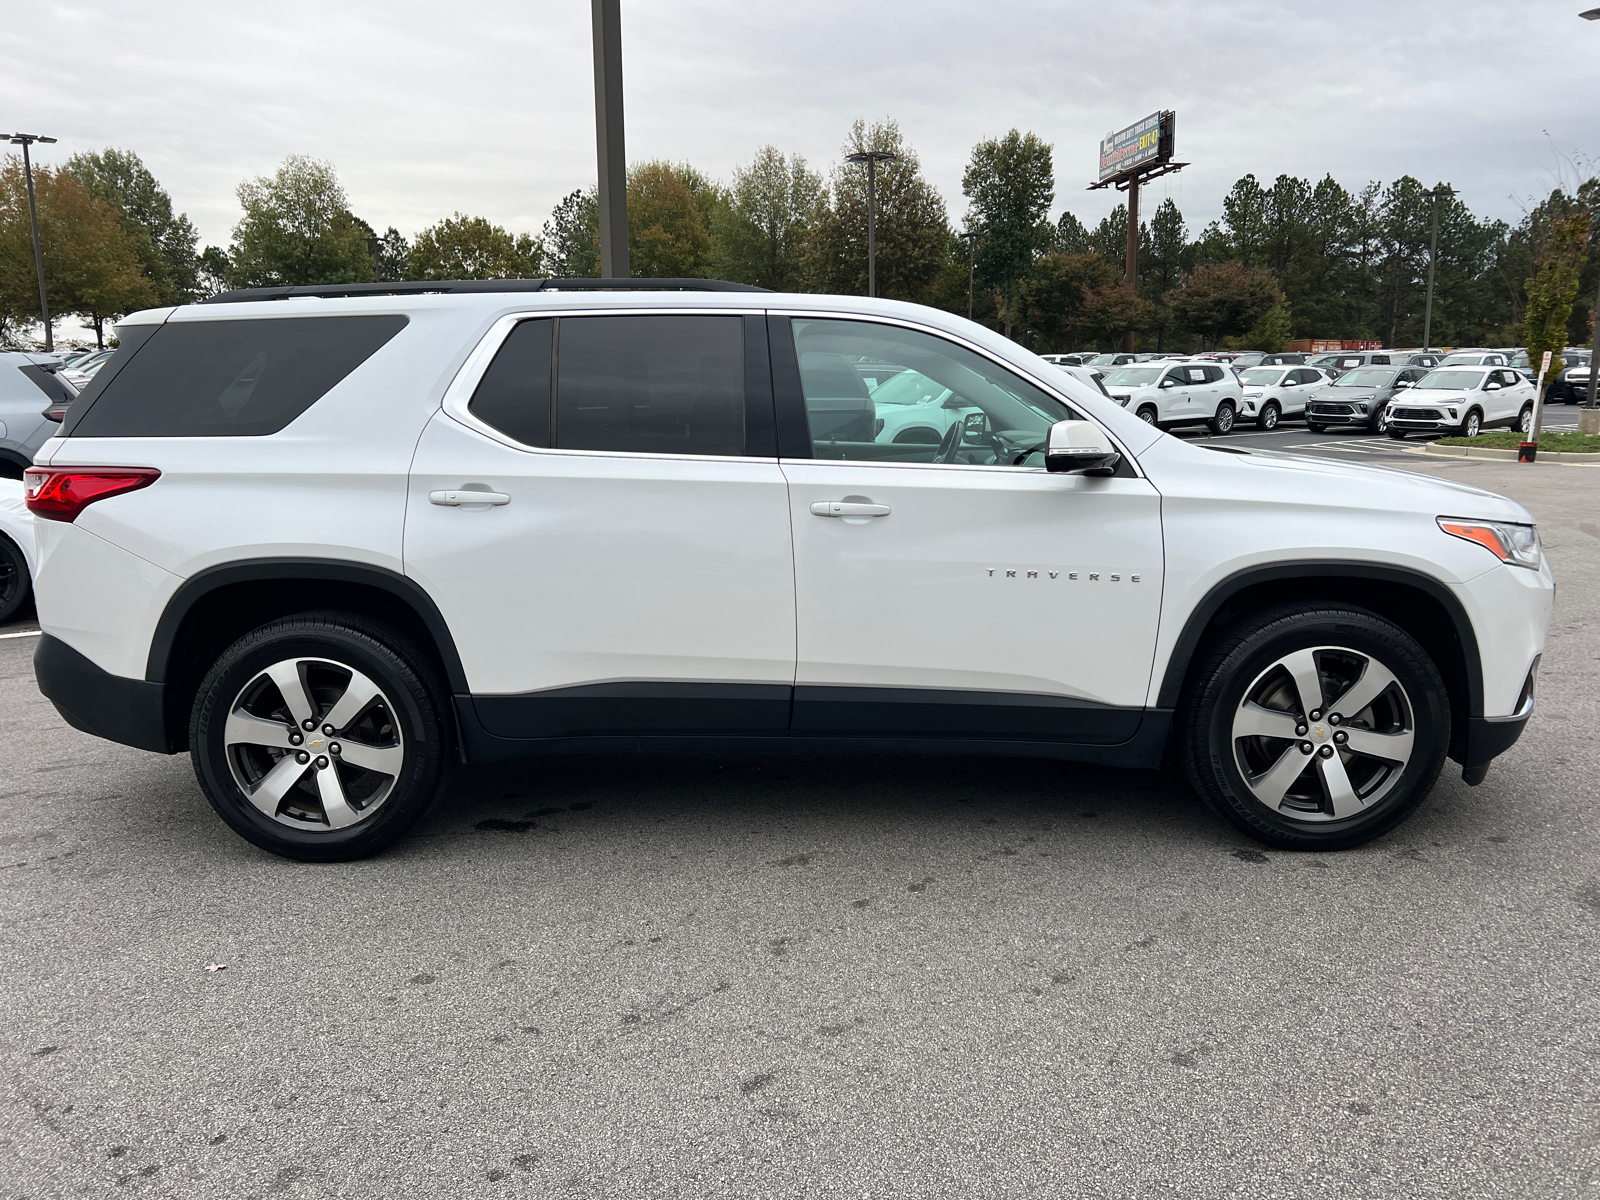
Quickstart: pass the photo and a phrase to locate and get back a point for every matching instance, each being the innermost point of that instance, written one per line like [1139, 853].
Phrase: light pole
[1593, 14]
[1433, 258]
[971, 238]
[25, 140]
[613, 160]
[872, 158]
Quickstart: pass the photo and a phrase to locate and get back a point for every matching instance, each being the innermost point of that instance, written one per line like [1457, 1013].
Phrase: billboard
[1146, 141]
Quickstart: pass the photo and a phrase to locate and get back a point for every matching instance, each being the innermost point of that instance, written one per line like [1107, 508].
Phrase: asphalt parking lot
[753, 976]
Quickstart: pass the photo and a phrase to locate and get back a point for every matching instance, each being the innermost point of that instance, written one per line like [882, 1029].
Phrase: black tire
[1223, 421]
[15, 583]
[1270, 413]
[1398, 435]
[1471, 424]
[1147, 414]
[1244, 654]
[1380, 420]
[413, 699]
[1525, 419]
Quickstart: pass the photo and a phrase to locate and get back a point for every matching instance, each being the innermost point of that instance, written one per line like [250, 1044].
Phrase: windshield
[909, 387]
[1133, 376]
[1261, 376]
[1463, 360]
[1460, 381]
[1368, 377]
[1103, 360]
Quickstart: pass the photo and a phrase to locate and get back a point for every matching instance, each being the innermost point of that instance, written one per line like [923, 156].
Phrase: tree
[1112, 309]
[571, 236]
[1054, 298]
[91, 262]
[1226, 299]
[668, 236]
[164, 243]
[913, 232]
[1163, 246]
[1552, 290]
[297, 229]
[392, 251]
[462, 247]
[214, 272]
[763, 236]
[1071, 236]
[1010, 182]
[1269, 333]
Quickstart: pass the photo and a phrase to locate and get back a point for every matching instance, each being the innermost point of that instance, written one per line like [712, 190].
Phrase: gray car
[29, 385]
[1360, 397]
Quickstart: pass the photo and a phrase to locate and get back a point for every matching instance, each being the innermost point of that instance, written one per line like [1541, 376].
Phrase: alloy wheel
[1323, 734]
[314, 744]
[1472, 425]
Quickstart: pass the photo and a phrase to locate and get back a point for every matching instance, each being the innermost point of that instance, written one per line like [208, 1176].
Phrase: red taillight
[61, 493]
[56, 413]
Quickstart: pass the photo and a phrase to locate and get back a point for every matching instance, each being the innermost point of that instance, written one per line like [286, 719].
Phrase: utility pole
[25, 140]
[1433, 259]
[1130, 269]
[872, 158]
[609, 150]
[971, 238]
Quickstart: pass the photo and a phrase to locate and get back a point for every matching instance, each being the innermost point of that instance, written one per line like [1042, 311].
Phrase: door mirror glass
[1080, 448]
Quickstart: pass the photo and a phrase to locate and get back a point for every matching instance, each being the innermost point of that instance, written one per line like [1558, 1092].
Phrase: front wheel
[1268, 419]
[1315, 727]
[321, 737]
[1380, 421]
[1223, 421]
[15, 583]
[1147, 414]
[1473, 425]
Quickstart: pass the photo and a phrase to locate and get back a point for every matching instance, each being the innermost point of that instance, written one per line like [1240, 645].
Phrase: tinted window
[514, 394]
[54, 388]
[653, 384]
[232, 378]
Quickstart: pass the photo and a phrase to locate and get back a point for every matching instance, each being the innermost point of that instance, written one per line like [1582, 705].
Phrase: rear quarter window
[232, 378]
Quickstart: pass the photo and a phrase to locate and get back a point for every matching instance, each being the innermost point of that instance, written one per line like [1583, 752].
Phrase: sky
[487, 107]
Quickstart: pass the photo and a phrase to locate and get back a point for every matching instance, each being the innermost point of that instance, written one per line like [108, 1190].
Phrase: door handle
[456, 497]
[848, 508]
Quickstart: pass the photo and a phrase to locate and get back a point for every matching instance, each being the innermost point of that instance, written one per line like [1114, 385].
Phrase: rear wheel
[1223, 421]
[1315, 728]
[1147, 414]
[1269, 416]
[1525, 419]
[321, 737]
[15, 585]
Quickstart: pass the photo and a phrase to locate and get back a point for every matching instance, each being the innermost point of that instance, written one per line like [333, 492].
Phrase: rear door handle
[848, 508]
[456, 497]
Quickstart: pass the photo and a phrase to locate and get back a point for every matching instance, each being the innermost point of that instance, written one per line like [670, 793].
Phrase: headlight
[1252, 395]
[1517, 545]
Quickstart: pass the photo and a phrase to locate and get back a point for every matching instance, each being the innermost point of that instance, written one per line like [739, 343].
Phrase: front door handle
[848, 508]
[457, 497]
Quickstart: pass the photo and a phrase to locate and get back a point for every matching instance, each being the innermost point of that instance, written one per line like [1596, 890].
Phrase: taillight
[56, 413]
[61, 493]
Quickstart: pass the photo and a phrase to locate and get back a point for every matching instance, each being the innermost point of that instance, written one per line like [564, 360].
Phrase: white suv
[330, 540]
[1172, 394]
[1464, 401]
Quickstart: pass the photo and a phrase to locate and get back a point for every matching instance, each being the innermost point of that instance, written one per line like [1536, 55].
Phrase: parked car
[1565, 389]
[1408, 358]
[28, 384]
[16, 549]
[1105, 362]
[1271, 394]
[1475, 358]
[1361, 397]
[329, 548]
[1067, 360]
[1290, 359]
[1463, 401]
[81, 372]
[1186, 393]
[1575, 381]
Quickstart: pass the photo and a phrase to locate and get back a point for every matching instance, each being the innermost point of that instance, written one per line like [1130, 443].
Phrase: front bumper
[89, 698]
[1338, 414]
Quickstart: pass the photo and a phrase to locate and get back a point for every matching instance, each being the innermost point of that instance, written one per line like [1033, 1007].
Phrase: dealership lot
[753, 976]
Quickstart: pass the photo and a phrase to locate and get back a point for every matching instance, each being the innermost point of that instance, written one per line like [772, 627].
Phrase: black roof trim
[428, 287]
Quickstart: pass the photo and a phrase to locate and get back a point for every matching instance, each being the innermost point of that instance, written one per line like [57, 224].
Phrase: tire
[1471, 424]
[1525, 419]
[1223, 421]
[1147, 414]
[1398, 435]
[329, 808]
[1336, 796]
[15, 583]
[1268, 420]
[1380, 421]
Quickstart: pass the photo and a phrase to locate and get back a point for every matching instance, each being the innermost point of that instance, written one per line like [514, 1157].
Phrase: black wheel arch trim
[202, 583]
[1201, 616]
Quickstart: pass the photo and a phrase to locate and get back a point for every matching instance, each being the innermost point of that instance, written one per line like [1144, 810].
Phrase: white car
[1183, 393]
[1463, 401]
[1476, 358]
[331, 540]
[1273, 393]
[16, 549]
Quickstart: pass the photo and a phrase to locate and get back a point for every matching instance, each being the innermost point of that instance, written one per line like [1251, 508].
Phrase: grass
[1563, 443]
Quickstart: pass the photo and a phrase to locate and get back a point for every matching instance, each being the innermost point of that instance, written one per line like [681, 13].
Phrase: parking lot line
[24, 633]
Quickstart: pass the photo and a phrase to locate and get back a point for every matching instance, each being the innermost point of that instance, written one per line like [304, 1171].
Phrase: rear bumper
[94, 700]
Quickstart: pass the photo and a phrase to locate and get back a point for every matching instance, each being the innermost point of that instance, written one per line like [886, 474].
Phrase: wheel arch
[215, 607]
[1419, 604]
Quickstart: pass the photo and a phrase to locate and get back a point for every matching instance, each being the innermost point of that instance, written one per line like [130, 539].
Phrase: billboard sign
[1146, 141]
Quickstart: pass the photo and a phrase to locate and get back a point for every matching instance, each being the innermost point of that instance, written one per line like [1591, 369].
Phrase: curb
[1509, 455]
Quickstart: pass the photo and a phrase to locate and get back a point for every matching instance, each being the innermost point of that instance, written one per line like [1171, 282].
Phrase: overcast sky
[488, 106]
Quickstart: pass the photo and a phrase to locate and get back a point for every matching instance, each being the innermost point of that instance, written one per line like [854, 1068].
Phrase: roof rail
[427, 287]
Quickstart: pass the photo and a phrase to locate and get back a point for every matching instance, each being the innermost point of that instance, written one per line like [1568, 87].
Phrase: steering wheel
[949, 444]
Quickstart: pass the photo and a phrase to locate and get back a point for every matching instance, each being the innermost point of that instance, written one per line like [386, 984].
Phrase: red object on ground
[1526, 451]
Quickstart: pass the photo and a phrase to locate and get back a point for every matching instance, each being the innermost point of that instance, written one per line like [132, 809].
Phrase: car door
[1175, 396]
[961, 591]
[629, 568]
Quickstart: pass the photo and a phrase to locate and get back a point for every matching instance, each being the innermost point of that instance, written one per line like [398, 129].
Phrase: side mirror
[1401, 383]
[1166, 383]
[1491, 387]
[1079, 448]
